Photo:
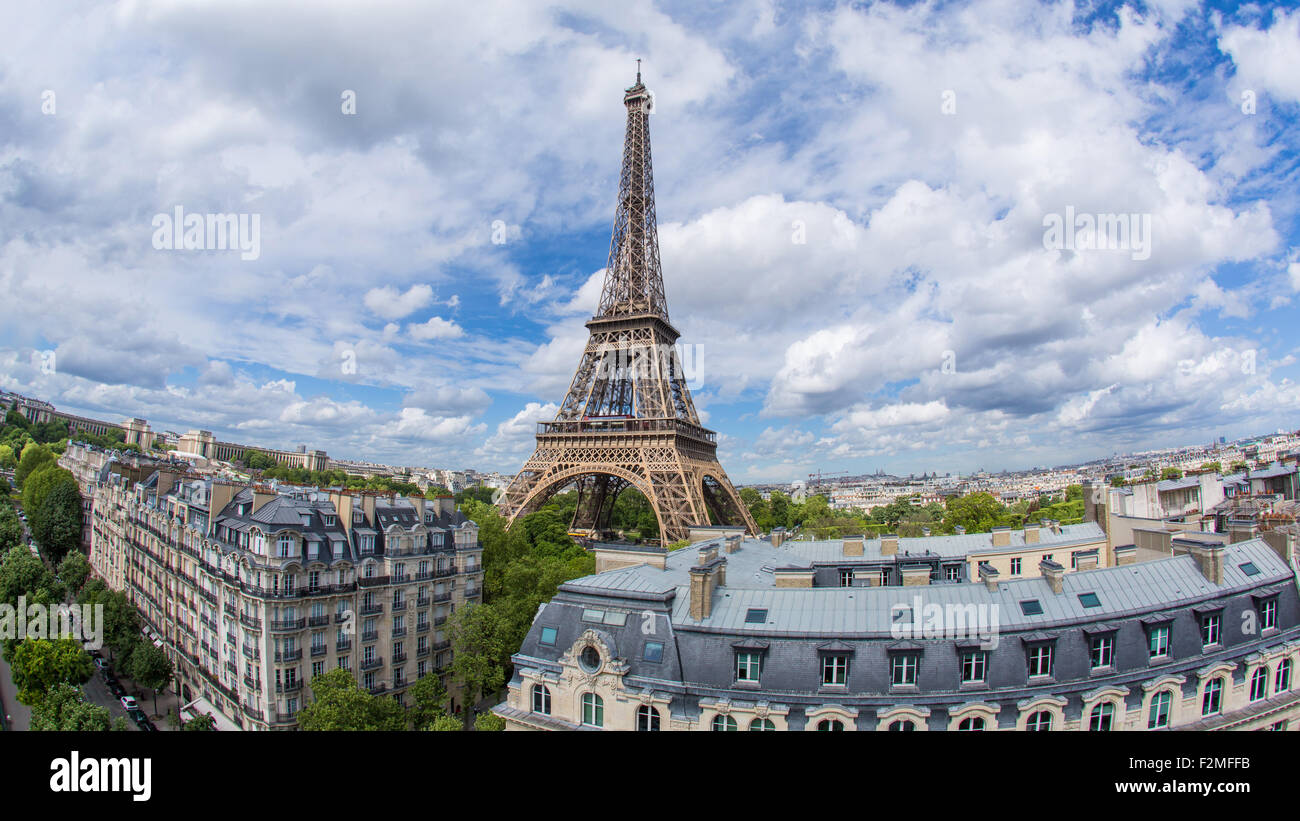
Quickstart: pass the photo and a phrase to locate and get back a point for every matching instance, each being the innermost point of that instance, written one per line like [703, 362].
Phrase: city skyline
[877, 218]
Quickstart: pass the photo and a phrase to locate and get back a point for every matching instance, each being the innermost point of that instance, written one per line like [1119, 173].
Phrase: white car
[128, 703]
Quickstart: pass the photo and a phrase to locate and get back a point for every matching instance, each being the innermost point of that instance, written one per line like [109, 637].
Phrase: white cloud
[390, 303]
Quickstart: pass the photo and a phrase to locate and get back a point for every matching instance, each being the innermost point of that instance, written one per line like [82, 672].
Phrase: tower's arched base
[677, 473]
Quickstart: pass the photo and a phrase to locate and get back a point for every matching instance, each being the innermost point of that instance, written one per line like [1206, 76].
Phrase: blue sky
[851, 201]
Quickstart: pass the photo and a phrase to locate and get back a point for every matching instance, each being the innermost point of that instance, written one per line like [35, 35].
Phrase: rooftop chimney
[1209, 559]
[889, 544]
[1031, 534]
[960, 530]
[989, 575]
[1001, 537]
[853, 547]
[1054, 573]
[705, 577]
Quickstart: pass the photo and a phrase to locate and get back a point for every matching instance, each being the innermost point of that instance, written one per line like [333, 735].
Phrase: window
[1210, 630]
[653, 651]
[1031, 607]
[542, 699]
[1015, 567]
[597, 616]
[1158, 641]
[1212, 701]
[1259, 684]
[647, 719]
[846, 577]
[1040, 660]
[1102, 717]
[954, 573]
[884, 577]
[724, 724]
[589, 660]
[1039, 722]
[1282, 682]
[593, 710]
[903, 669]
[1268, 614]
[971, 725]
[1160, 704]
[615, 619]
[1249, 568]
[835, 669]
[1103, 651]
[762, 725]
[755, 615]
[548, 636]
[1089, 600]
[830, 725]
[974, 666]
[901, 726]
[748, 666]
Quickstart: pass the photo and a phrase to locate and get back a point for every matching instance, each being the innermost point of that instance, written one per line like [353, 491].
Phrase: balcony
[424, 576]
[372, 608]
[444, 572]
[422, 627]
[285, 625]
[254, 683]
[252, 653]
[373, 663]
[398, 632]
[378, 689]
[373, 581]
[370, 635]
[343, 645]
[282, 657]
[421, 652]
[286, 718]
[318, 621]
[398, 658]
[251, 622]
[442, 597]
[339, 618]
[319, 650]
[423, 602]
[441, 645]
[289, 686]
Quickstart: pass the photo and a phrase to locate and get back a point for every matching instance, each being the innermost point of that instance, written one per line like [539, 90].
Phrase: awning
[200, 706]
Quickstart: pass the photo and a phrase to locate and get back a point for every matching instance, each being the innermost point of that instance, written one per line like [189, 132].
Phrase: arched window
[593, 710]
[723, 723]
[762, 724]
[830, 725]
[1212, 701]
[1103, 716]
[902, 726]
[1259, 684]
[541, 699]
[1039, 722]
[1282, 682]
[647, 719]
[1160, 704]
[973, 724]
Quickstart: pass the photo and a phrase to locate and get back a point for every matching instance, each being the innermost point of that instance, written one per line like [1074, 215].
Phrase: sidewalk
[18, 716]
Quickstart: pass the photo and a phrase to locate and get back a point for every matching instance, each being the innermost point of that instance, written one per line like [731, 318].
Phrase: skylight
[1031, 607]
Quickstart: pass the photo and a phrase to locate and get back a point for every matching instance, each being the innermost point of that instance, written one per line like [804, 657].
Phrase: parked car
[115, 687]
[137, 715]
[128, 703]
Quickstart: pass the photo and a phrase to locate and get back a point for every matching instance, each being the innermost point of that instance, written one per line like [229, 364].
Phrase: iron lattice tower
[628, 419]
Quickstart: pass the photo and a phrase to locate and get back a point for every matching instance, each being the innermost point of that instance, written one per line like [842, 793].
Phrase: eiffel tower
[628, 419]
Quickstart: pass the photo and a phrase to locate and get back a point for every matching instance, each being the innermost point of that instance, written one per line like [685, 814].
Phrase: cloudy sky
[852, 204]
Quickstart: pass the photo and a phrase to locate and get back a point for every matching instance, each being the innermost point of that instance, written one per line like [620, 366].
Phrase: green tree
[977, 512]
[1211, 467]
[34, 456]
[340, 705]
[151, 667]
[446, 724]
[22, 574]
[11, 529]
[121, 624]
[39, 664]
[41, 481]
[7, 459]
[65, 709]
[428, 702]
[74, 570]
[489, 722]
[480, 654]
[57, 527]
[1171, 473]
